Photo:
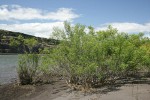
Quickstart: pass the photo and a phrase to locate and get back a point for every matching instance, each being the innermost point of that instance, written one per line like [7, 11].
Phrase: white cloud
[127, 27]
[36, 29]
[45, 29]
[16, 12]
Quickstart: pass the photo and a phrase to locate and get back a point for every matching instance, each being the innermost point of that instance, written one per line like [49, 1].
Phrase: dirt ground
[60, 91]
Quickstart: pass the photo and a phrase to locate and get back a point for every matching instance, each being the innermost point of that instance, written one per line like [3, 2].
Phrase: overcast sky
[38, 17]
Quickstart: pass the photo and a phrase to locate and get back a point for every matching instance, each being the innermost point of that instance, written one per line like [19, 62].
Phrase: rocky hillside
[16, 42]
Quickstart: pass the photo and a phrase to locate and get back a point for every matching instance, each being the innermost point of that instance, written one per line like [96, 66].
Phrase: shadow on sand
[121, 82]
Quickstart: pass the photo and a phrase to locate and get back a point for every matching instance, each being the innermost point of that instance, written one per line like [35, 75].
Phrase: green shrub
[27, 67]
[95, 58]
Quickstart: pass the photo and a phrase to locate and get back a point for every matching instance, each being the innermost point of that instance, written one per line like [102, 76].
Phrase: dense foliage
[92, 58]
[88, 58]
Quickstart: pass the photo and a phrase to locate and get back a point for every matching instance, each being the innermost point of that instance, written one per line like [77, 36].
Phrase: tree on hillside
[31, 43]
[17, 43]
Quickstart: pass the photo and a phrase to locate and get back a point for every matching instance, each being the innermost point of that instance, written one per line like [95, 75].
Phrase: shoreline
[26, 92]
[9, 53]
[59, 90]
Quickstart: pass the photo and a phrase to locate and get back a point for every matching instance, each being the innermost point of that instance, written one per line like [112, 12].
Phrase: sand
[60, 91]
[126, 92]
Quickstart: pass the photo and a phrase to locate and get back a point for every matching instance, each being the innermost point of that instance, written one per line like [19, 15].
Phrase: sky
[38, 17]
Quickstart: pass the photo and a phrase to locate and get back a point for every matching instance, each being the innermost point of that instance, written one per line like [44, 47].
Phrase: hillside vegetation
[15, 42]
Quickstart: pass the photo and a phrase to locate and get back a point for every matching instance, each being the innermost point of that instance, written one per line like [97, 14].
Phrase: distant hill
[16, 42]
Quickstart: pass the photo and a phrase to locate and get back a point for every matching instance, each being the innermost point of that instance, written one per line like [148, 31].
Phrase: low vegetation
[27, 68]
[93, 58]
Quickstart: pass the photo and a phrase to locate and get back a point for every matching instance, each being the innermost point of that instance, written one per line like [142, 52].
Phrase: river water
[8, 64]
